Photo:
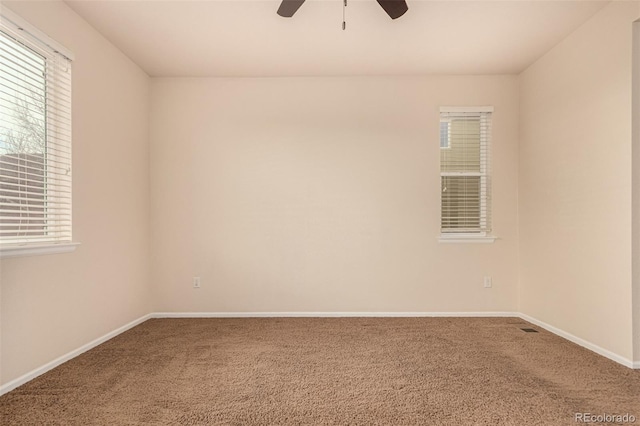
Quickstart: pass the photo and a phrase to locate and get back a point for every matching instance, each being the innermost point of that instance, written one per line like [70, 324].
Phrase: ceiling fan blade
[289, 7]
[394, 8]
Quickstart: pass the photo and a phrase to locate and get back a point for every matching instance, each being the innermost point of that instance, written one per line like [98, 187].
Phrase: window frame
[482, 236]
[30, 36]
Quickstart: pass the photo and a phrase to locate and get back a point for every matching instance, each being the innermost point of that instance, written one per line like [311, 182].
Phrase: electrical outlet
[196, 282]
[487, 282]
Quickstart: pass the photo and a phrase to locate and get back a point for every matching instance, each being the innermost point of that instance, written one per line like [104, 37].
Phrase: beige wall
[575, 183]
[321, 194]
[56, 303]
[636, 190]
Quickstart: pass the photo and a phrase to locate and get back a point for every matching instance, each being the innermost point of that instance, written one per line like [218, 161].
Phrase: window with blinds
[465, 178]
[35, 139]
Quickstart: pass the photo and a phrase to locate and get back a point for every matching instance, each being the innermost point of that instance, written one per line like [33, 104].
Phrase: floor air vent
[529, 330]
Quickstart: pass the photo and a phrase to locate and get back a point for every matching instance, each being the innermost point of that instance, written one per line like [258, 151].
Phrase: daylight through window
[35, 140]
[464, 170]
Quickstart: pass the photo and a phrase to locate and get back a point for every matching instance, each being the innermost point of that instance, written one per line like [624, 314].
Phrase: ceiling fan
[394, 8]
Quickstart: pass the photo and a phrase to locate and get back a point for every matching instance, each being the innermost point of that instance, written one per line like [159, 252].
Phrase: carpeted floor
[328, 371]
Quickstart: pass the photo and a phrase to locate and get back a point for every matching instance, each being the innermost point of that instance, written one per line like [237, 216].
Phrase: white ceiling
[248, 38]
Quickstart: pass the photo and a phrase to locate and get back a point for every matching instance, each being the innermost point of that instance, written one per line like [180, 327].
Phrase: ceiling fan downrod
[344, 20]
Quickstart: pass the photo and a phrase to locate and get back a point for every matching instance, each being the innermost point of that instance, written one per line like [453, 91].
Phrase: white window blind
[35, 138]
[464, 170]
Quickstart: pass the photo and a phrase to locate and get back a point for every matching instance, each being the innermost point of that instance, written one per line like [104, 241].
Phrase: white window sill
[35, 249]
[466, 238]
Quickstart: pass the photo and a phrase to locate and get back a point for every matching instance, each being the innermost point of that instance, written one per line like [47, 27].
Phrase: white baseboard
[348, 314]
[9, 386]
[584, 343]
[327, 314]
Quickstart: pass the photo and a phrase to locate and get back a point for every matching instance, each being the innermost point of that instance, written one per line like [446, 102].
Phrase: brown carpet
[328, 371]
